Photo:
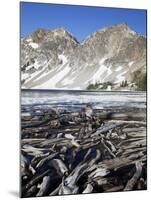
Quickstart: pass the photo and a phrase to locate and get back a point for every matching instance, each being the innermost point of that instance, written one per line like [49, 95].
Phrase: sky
[81, 21]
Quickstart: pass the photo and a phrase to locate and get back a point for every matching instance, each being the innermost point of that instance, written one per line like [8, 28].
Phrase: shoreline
[76, 91]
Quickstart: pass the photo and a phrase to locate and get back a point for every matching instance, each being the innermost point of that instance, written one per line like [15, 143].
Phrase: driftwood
[44, 187]
[131, 183]
[88, 189]
[67, 152]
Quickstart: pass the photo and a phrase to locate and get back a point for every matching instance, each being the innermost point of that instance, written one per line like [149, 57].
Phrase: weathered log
[44, 187]
[106, 128]
[128, 122]
[115, 189]
[35, 180]
[107, 148]
[131, 183]
[99, 172]
[56, 191]
[60, 167]
[45, 160]
[95, 160]
[88, 189]
[31, 192]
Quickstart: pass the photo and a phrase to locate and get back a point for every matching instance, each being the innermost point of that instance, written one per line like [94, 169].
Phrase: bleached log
[128, 122]
[131, 183]
[107, 148]
[55, 192]
[60, 167]
[45, 186]
[88, 189]
[35, 180]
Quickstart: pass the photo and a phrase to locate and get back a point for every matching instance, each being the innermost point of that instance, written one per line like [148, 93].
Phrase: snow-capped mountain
[54, 59]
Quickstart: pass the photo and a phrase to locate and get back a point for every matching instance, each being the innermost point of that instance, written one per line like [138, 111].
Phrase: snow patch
[60, 75]
[119, 68]
[99, 72]
[34, 45]
[102, 60]
[130, 63]
[51, 83]
[36, 65]
[120, 77]
[29, 40]
[45, 71]
[24, 76]
[96, 77]
[29, 67]
[109, 88]
[56, 34]
[63, 58]
[132, 32]
[109, 72]
[67, 81]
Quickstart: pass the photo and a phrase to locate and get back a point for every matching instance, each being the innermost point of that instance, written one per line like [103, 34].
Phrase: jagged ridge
[55, 59]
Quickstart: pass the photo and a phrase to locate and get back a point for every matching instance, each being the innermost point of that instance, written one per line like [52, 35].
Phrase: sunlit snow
[34, 45]
[118, 69]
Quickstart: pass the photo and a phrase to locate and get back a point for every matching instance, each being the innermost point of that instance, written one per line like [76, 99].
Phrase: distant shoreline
[66, 90]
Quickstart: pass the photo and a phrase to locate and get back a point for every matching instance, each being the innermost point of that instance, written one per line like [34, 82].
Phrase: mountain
[54, 59]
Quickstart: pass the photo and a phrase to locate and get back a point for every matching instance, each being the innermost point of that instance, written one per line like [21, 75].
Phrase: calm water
[78, 99]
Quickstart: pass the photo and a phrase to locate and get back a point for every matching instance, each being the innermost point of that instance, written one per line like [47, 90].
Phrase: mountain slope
[55, 59]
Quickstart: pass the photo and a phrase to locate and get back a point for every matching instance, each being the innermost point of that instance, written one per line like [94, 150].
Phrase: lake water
[77, 99]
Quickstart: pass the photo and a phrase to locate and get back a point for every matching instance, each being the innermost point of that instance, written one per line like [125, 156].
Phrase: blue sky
[81, 21]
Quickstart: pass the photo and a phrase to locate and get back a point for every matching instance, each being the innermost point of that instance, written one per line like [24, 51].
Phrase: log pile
[88, 151]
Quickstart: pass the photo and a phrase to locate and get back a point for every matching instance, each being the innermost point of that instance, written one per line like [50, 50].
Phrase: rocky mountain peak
[112, 31]
[38, 35]
[61, 32]
[55, 59]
